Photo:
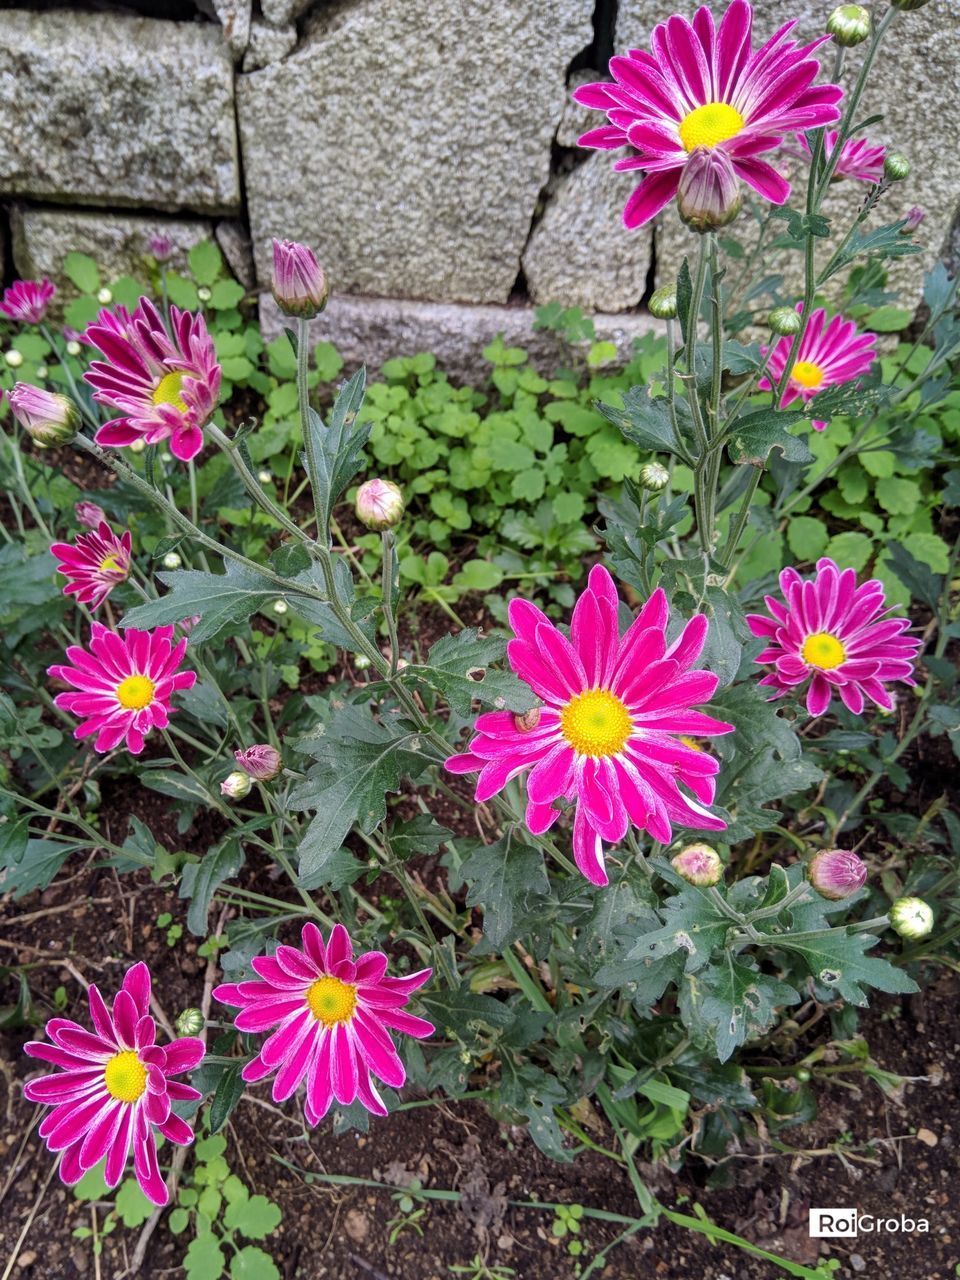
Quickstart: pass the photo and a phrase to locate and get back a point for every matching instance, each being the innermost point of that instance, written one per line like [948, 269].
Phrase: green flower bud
[849, 24]
[104, 297]
[654, 477]
[236, 785]
[699, 864]
[171, 560]
[190, 1023]
[663, 303]
[912, 918]
[784, 321]
[14, 358]
[896, 167]
[48, 418]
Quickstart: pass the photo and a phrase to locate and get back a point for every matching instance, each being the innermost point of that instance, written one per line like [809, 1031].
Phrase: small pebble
[27, 1259]
[926, 1137]
[857, 1262]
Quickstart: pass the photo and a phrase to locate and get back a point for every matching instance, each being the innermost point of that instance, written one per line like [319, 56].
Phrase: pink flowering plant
[598, 847]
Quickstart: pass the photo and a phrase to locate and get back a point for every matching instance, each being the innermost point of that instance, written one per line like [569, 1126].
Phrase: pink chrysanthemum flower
[124, 685]
[859, 158]
[608, 735]
[332, 1016]
[26, 301]
[836, 635]
[165, 384]
[94, 564]
[113, 1088]
[703, 86]
[828, 356]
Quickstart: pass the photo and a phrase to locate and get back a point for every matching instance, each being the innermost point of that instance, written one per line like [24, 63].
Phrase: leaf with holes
[218, 599]
[836, 959]
[739, 1003]
[753, 437]
[458, 667]
[506, 879]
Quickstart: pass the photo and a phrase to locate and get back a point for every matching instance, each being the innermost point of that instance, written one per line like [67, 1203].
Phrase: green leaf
[807, 538]
[888, 319]
[534, 1094]
[206, 262]
[459, 1014]
[692, 924]
[83, 271]
[644, 421]
[878, 462]
[219, 599]
[851, 550]
[209, 1148]
[458, 667]
[230, 1089]
[898, 496]
[601, 353]
[182, 292]
[178, 1221]
[327, 360]
[132, 1205]
[752, 437]
[255, 1218]
[337, 448]
[836, 959]
[204, 1259]
[92, 1185]
[358, 761]
[478, 575]
[740, 1003]
[226, 294]
[529, 485]
[930, 549]
[506, 879]
[39, 862]
[252, 1263]
[201, 879]
[568, 507]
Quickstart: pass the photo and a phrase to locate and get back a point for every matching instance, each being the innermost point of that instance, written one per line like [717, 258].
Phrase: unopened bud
[204, 294]
[14, 358]
[73, 347]
[784, 321]
[299, 285]
[524, 721]
[912, 918]
[699, 864]
[709, 193]
[236, 785]
[361, 662]
[849, 24]
[90, 515]
[280, 607]
[104, 296]
[171, 560]
[161, 247]
[190, 1023]
[49, 418]
[379, 504]
[264, 476]
[138, 445]
[42, 372]
[895, 166]
[261, 761]
[663, 302]
[654, 477]
[837, 873]
[913, 219]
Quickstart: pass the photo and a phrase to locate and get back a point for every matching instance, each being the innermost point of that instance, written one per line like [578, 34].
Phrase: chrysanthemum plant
[541, 798]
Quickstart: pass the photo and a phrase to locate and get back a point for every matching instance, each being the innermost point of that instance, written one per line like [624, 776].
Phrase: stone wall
[426, 148]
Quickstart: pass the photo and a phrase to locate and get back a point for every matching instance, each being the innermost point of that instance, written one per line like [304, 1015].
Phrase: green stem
[389, 544]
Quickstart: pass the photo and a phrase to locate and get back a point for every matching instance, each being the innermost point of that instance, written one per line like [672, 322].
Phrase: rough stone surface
[409, 143]
[281, 12]
[268, 44]
[372, 330]
[579, 253]
[108, 110]
[234, 241]
[234, 17]
[576, 119]
[914, 84]
[119, 243]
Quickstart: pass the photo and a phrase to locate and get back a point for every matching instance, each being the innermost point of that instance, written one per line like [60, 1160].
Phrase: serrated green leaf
[851, 550]
[506, 879]
[337, 448]
[645, 421]
[132, 1205]
[739, 1002]
[836, 959]
[753, 437]
[461, 1013]
[200, 880]
[83, 271]
[692, 924]
[252, 1263]
[898, 496]
[219, 599]
[204, 1259]
[535, 1094]
[459, 667]
[226, 294]
[182, 292]
[39, 862]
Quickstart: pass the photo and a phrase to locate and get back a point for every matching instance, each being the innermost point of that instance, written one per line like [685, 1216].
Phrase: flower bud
[912, 918]
[709, 193]
[361, 662]
[90, 515]
[104, 296]
[73, 347]
[138, 445]
[836, 873]
[190, 1023]
[236, 785]
[379, 504]
[264, 476]
[280, 607]
[46, 416]
[525, 721]
[663, 302]
[42, 372]
[913, 219]
[654, 477]
[849, 24]
[698, 864]
[161, 247]
[171, 560]
[895, 166]
[14, 358]
[261, 761]
[784, 321]
[204, 294]
[299, 285]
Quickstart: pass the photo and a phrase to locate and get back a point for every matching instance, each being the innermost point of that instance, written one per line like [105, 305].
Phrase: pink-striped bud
[709, 193]
[26, 301]
[699, 864]
[837, 873]
[913, 219]
[379, 504]
[90, 515]
[261, 761]
[299, 285]
[48, 418]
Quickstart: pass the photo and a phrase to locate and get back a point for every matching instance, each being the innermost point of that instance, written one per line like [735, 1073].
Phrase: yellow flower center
[807, 375]
[110, 564]
[692, 743]
[135, 693]
[712, 123]
[125, 1076]
[824, 651]
[596, 723]
[331, 1000]
[168, 389]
